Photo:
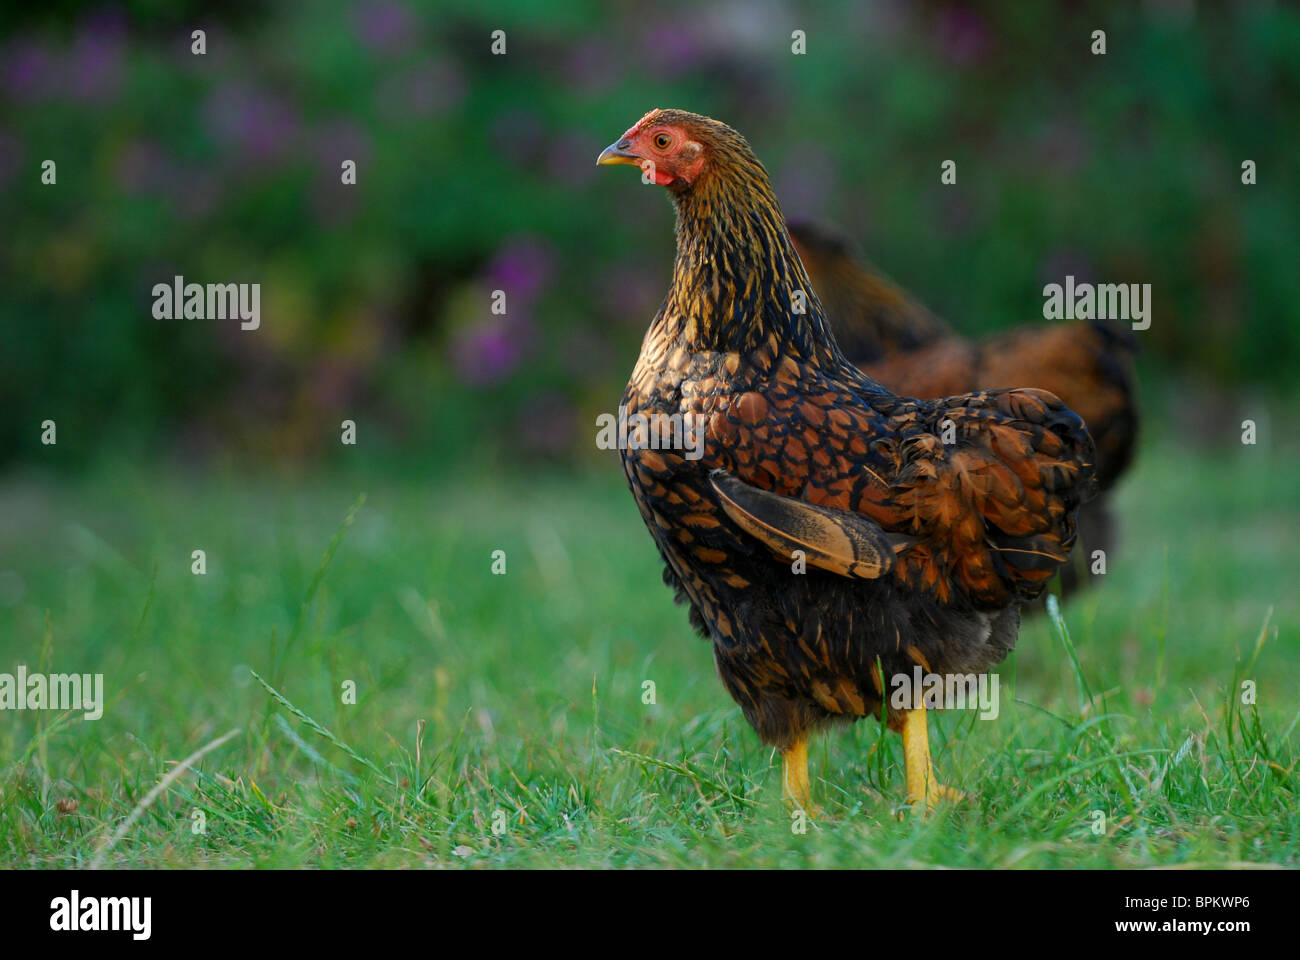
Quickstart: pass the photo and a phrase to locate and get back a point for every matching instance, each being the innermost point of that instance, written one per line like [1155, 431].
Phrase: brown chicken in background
[828, 535]
[897, 341]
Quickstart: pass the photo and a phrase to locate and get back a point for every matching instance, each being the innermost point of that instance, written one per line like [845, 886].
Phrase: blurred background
[475, 431]
[476, 172]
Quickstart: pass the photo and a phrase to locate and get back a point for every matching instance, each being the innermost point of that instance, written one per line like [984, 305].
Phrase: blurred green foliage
[475, 173]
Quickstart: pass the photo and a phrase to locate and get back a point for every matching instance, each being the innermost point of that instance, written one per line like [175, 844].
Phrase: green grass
[519, 697]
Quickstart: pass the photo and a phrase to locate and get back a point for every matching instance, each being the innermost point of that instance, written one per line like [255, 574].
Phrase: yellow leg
[922, 788]
[794, 777]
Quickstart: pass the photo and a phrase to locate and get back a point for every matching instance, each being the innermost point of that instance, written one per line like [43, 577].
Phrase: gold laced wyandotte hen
[902, 345]
[827, 539]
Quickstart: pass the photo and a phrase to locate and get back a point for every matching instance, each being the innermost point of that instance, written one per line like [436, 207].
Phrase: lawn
[499, 718]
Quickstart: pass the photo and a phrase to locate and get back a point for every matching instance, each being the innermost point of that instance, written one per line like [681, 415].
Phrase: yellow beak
[617, 153]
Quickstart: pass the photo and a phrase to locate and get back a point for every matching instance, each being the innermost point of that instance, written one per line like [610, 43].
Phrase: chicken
[899, 343]
[825, 536]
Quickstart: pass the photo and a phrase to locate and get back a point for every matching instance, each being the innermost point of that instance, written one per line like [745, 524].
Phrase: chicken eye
[662, 140]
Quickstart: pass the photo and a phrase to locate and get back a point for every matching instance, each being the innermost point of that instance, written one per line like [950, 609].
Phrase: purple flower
[962, 36]
[385, 26]
[252, 122]
[487, 352]
[522, 268]
[97, 62]
[30, 71]
[671, 49]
